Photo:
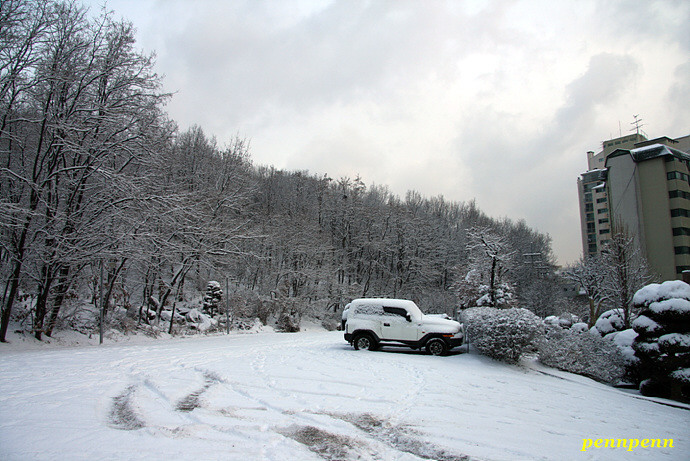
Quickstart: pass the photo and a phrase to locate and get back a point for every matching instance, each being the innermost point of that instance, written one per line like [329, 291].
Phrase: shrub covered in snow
[565, 320]
[581, 353]
[610, 321]
[200, 321]
[624, 340]
[290, 317]
[663, 341]
[579, 327]
[502, 334]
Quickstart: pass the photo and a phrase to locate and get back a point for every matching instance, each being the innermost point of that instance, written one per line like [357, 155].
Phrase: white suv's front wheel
[436, 346]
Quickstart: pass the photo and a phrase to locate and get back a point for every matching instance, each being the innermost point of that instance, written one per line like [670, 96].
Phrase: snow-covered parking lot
[311, 396]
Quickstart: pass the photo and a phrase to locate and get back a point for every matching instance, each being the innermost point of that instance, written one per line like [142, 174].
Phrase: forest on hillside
[104, 200]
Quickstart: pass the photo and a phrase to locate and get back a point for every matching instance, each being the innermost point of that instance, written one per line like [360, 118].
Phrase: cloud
[531, 173]
[678, 96]
[606, 79]
[648, 21]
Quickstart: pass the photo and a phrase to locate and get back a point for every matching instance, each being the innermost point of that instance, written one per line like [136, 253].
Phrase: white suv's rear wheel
[364, 341]
[436, 346]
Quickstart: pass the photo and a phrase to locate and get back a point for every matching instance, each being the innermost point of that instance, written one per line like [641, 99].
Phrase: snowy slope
[310, 396]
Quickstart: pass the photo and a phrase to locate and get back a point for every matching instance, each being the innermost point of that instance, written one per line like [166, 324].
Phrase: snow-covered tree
[588, 273]
[625, 271]
[82, 110]
[212, 298]
[489, 258]
[663, 339]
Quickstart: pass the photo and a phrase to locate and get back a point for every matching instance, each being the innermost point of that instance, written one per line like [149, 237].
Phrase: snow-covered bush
[502, 334]
[331, 322]
[663, 340]
[288, 322]
[579, 327]
[608, 322]
[200, 321]
[624, 341]
[565, 320]
[584, 354]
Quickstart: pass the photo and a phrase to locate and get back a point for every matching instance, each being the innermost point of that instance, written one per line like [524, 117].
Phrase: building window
[589, 207]
[590, 216]
[677, 175]
[602, 210]
[604, 221]
[679, 194]
[680, 212]
[601, 200]
[681, 231]
[682, 250]
[604, 231]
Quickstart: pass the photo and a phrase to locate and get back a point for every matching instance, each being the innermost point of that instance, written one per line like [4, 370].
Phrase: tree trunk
[14, 285]
[492, 281]
[61, 291]
[42, 301]
[111, 285]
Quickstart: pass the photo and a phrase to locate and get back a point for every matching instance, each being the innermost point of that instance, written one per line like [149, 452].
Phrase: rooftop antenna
[638, 124]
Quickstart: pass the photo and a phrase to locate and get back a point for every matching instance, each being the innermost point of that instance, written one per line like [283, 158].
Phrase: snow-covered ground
[310, 396]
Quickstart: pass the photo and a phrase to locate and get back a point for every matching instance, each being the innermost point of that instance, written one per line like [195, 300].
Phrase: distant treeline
[102, 194]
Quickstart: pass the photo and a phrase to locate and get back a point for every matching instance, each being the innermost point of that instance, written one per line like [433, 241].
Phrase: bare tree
[589, 274]
[489, 259]
[626, 271]
[88, 112]
[199, 220]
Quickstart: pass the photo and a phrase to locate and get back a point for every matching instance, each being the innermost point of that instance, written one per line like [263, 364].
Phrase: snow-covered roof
[594, 175]
[641, 154]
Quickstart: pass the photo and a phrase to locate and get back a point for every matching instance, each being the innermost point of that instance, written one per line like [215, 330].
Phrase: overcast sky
[497, 101]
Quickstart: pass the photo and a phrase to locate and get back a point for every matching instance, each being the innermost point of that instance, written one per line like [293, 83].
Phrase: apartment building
[594, 214]
[646, 187]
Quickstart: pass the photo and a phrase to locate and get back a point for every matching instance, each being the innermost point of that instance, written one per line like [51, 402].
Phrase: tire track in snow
[193, 400]
[122, 415]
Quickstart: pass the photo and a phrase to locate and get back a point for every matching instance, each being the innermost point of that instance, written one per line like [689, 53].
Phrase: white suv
[368, 322]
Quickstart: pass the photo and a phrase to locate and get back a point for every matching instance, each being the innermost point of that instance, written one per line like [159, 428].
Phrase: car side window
[368, 309]
[395, 311]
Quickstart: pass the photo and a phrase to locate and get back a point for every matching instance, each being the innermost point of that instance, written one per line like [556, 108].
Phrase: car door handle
[386, 324]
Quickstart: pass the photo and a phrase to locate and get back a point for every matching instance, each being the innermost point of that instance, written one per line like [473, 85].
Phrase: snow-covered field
[311, 396]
